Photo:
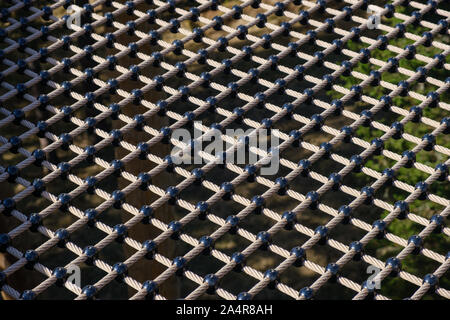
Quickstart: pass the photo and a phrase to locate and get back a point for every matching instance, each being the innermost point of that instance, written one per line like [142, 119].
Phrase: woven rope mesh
[356, 91]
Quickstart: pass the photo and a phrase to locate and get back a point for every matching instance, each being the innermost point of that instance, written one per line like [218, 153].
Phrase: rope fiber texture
[86, 90]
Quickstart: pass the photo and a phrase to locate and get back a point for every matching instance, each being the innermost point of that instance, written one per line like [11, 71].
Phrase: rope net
[363, 160]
